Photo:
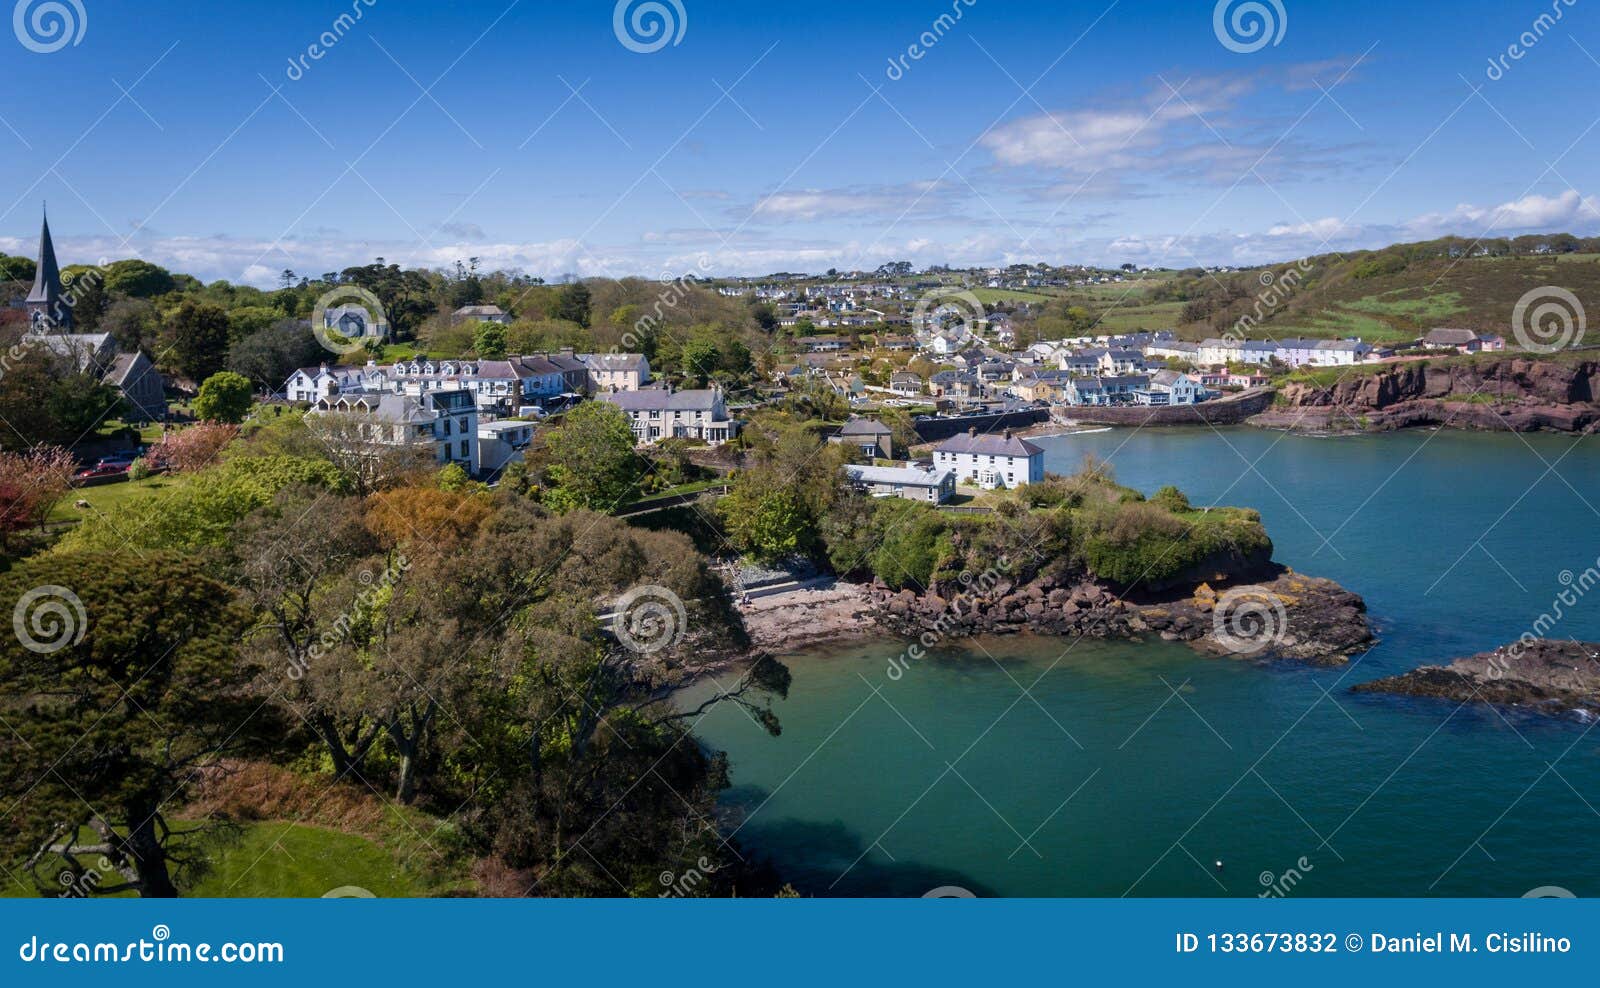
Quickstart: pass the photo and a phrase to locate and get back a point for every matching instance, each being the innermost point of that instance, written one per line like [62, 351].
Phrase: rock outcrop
[1510, 394]
[1280, 615]
[1553, 677]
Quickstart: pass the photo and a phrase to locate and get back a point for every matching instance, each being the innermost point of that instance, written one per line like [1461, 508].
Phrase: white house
[1083, 363]
[934, 486]
[501, 387]
[501, 443]
[662, 414]
[1322, 353]
[1170, 387]
[311, 384]
[943, 344]
[1110, 390]
[1164, 349]
[991, 461]
[1121, 361]
[446, 421]
[1222, 351]
[905, 384]
[616, 371]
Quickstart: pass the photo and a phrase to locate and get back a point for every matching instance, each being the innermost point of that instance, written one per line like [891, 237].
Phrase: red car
[102, 470]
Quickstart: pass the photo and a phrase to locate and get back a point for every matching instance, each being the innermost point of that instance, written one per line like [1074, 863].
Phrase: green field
[991, 296]
[277, 859]
[1131, 316]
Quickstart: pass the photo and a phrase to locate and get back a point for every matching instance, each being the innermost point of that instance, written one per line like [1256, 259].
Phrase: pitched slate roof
[989, 445]
[658, 400]
[864, 427]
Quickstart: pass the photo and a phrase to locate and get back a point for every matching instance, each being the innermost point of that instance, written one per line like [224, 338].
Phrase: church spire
[46, 307]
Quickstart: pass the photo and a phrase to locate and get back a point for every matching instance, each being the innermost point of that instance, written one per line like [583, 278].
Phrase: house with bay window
[659, 414]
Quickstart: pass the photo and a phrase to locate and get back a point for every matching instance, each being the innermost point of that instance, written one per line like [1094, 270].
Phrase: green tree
[86, 292]
[79, 403]
[133, 322]
[489, 340]
[592, 461]
[268, 357]
[199, 332]
[778, 502]
[138, 279]
[573, 304]
[224, 397]
[138, 687]
[768, 522]
[700, 359]
[19, 271]
[249, 320]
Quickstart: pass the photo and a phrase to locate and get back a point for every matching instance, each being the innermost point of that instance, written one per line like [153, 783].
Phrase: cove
[1039, 766]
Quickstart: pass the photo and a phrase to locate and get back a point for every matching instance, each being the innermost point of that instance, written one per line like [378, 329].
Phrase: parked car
[101, 470]
[122, 459]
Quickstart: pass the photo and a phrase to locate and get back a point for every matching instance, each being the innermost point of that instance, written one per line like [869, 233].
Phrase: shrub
[1172, 499]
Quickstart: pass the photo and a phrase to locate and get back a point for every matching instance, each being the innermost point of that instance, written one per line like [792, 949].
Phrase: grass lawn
[694, 487]
[105, 497]
[149, 432]
[277, 859]
[288, 860]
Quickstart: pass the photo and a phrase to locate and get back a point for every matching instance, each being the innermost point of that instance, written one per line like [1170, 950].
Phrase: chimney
[973, 432]
[1008, 434]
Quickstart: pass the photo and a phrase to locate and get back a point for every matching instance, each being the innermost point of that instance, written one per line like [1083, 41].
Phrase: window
[464, 454]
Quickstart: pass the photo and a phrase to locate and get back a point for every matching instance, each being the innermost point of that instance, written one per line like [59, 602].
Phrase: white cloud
[867, 200]
[1118, 137]
[1567, 212]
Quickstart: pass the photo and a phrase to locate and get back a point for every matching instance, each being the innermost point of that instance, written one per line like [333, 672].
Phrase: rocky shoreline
[1279, 615]
[1549, 677]
[1508, 395]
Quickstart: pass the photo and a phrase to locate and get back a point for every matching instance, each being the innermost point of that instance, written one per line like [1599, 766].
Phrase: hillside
[1387, 296]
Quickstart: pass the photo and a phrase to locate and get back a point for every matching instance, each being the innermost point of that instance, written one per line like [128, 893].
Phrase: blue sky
[779, 135]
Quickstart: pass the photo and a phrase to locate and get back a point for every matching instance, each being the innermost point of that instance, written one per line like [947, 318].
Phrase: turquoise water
[1048, 767]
